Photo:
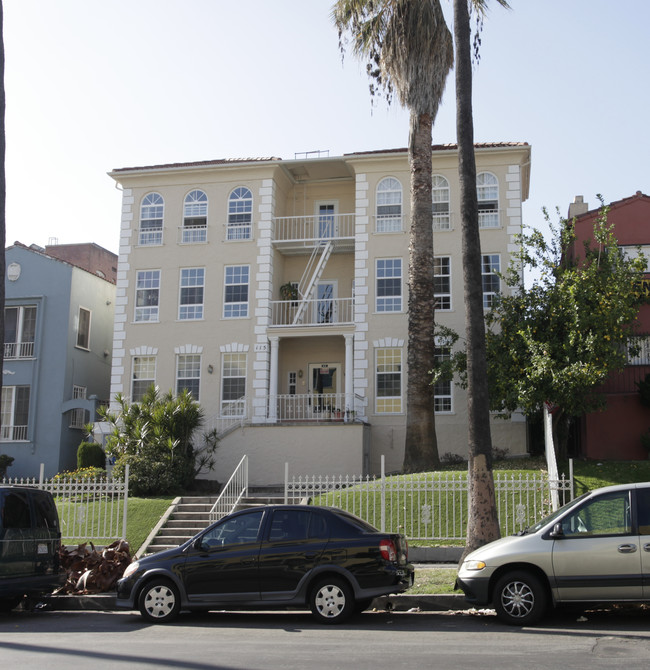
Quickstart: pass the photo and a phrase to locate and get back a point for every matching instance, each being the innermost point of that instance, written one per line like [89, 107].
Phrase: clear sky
[94, 85]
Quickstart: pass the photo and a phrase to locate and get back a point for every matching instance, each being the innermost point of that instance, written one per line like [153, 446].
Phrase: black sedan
[276, 556]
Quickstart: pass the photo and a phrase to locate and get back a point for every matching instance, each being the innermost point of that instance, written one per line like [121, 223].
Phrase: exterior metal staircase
[313, 272]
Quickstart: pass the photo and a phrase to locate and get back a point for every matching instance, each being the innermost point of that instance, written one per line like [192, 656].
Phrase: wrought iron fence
[431, 506]
[89, 509]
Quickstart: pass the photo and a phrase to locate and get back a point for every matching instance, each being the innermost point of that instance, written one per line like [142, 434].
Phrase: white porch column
[349, 376]
[273, 379]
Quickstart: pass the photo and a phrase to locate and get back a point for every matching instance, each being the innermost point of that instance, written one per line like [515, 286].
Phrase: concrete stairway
[191, 514]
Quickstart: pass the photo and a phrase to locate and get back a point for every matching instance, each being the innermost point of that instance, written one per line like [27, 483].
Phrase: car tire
[520, 598]
[8, 604]
[331, 600]
[159, 601]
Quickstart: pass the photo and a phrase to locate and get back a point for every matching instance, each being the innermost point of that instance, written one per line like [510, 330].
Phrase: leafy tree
[560, 339]
[483, 522]
[408, 50]
[156, 437]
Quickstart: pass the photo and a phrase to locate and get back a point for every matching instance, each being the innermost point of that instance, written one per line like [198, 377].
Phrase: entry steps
[189, 515]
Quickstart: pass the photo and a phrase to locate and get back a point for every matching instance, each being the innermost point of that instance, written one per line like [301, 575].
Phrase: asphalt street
[288, 641]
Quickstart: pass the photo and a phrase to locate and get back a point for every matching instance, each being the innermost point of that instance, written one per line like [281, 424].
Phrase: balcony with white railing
[19, 350]
[304, 232]
[321, 312]
[316, 408]
[197, 234]
[13, 433]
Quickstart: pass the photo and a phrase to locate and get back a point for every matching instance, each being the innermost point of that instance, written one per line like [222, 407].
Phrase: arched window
[440, 204]
[240, 214]
[151, 219]
[389, 206]
[487, 193]
[195, 217]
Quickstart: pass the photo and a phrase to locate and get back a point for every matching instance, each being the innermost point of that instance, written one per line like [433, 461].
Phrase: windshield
[551, 517]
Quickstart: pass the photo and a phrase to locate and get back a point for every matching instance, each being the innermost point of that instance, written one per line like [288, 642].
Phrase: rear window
[45, 512]
[349, 520]
[15, 510]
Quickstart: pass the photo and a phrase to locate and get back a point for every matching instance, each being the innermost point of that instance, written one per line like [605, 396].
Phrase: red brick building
[615, 433]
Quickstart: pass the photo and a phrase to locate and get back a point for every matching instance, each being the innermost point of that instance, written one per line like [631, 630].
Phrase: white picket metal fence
[430, 506]
[89, 509]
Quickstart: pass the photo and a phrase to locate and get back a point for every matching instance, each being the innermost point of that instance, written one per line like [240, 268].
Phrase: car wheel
[331, 600]
[362, 605]
[159, 601]
[7, 604]
[520, 598]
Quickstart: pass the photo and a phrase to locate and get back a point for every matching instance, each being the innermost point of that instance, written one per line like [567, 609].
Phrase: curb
[106, 602]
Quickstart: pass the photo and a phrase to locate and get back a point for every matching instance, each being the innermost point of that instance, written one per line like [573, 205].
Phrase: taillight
[388, 550]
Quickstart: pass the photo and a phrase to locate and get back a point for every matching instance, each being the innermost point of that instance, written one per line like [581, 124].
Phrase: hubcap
[330, 601]
[517, 599]
[160, 601]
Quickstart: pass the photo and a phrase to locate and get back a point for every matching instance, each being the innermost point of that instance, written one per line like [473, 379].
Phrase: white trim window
[78, 416]
[188, 374]
[240, 214]
[192, 284]
[233, 383]
[490, 266]
[83, 329]
[20, 331]
[143, 376]
[442, 389]
[152, 212]
[195, 217]
[14, 409]
[440, 202]
[641, 355]
[389, 206]
[388, 380]
[442, 282]
[487, 193]
[389, 285]
[147, 295]
[235, 299]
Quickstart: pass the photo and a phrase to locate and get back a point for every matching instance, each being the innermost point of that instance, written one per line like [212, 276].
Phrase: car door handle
[646, 547]
[627, 548]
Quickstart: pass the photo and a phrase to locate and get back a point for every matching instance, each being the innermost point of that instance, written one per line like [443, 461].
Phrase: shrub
[90, 455]
[82, 473]
[157, 438]
[5, 462]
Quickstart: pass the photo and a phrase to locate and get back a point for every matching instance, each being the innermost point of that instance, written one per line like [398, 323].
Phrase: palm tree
[483, 523]
[409, 50]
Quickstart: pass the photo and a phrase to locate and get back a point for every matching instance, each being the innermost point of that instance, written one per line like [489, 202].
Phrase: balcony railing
[310, 229]
[13, 433]
[19, 350]
[193, 234]
[488, 219]
[323, 312]
[319, 407]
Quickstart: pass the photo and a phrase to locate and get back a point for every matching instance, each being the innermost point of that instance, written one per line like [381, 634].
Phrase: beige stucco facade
[200, 305]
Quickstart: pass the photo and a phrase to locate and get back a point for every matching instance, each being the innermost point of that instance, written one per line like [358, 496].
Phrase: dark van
[30, 539]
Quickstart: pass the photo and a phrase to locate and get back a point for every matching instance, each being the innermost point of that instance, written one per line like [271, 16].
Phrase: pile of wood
[93, 571]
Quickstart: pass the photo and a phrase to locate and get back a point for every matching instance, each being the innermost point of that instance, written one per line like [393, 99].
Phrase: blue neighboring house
[59, 309]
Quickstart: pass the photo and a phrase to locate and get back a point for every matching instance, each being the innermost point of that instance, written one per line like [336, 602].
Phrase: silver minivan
[596, 549]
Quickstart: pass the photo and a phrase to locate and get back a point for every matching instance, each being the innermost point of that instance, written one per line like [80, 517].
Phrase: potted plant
[5, 462]
[289, 291]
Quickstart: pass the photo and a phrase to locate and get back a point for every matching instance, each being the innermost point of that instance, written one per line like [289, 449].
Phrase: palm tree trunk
[483, 524]
[421, 448]
[3, 189]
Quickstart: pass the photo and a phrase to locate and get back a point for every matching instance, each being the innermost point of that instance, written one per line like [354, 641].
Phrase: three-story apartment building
[276, 291]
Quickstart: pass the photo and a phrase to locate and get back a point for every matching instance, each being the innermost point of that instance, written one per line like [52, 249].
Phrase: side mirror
[557, 533]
